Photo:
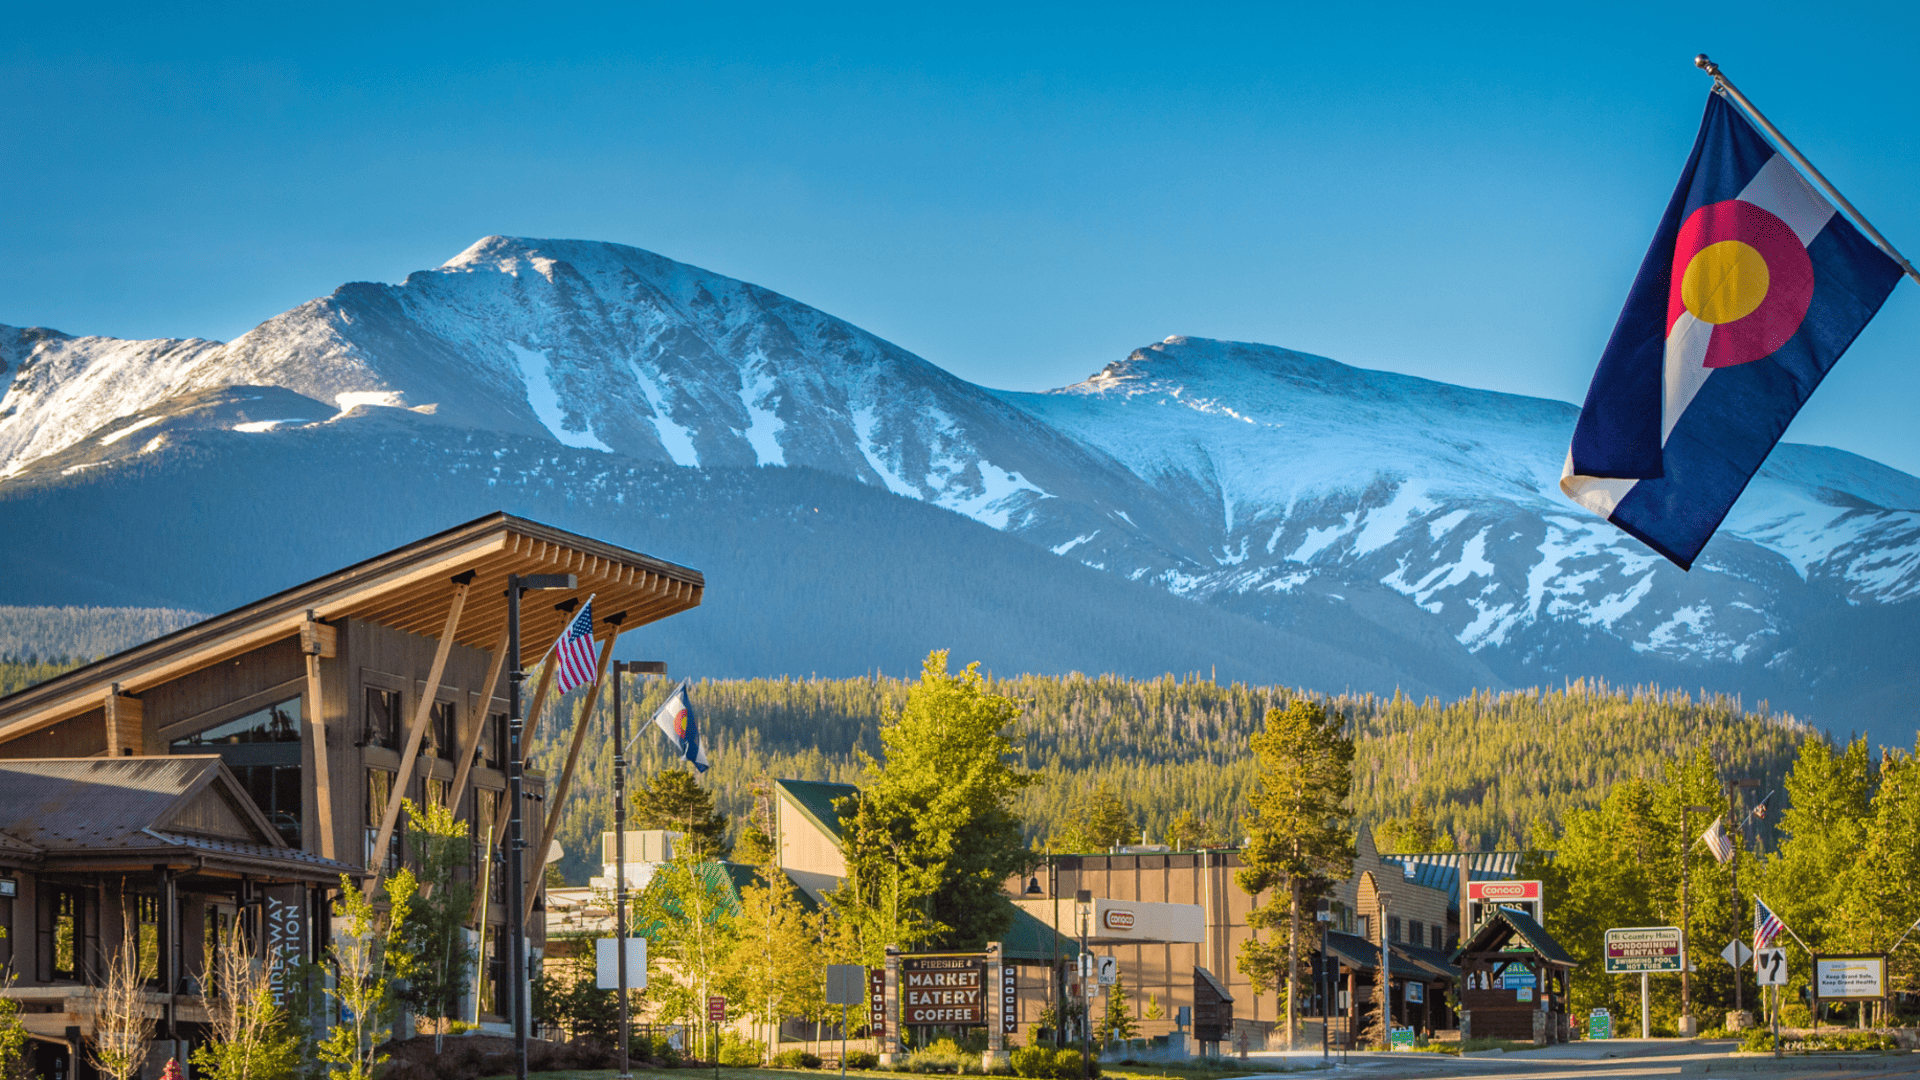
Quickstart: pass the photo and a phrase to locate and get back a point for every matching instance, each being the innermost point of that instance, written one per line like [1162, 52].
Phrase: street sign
[846, 984]
[1600, 1024]
[1643, 948]
[1109, 970]
[716, 1009]
[1009, 999]
[1736, 954]
[1837, 978]
[606, 963]
[1770, 967]
[877, 1000]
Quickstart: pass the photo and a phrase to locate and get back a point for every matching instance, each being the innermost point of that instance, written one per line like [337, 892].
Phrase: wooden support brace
[410, 750]
[500, 816]
[557, 799]
[476, 724]
[319, 642]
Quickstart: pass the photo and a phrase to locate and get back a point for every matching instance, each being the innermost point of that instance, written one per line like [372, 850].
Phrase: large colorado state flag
[1752, 289]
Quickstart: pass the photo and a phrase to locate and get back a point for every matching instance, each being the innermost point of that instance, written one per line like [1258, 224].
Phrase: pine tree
[1117, 1024]
[675, 800]
[1300, 838]
[432, 934]
[1190, 833]
[1104, 821]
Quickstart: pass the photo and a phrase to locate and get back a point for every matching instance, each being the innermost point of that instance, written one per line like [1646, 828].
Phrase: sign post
[1644, 949]
[1858, 977]
[1770, 969]
[1600, 1024]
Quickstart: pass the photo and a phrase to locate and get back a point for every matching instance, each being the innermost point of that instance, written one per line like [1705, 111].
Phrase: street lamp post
[623, 667]
[516, 821]
[1687, 1023]
[1083, 903]
[1739, 975]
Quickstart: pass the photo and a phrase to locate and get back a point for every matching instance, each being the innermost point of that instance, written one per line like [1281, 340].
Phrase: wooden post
[126, 724]
[558, 797]
[470, 741]
[319, 641]
[410, 750]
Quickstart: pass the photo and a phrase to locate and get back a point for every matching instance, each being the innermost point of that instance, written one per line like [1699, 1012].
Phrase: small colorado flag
[675, 718]
[1752, 289]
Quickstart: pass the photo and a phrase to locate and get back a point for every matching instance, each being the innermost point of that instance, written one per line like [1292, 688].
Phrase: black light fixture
[1033, 886]
[516, 823]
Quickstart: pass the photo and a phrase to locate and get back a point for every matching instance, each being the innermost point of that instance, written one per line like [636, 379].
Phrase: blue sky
[1019, 193]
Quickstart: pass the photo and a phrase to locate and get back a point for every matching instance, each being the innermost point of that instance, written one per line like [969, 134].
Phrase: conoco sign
[1503, 892]
[1119, 919]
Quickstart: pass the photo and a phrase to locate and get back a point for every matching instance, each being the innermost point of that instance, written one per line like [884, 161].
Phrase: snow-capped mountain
[1407, 525]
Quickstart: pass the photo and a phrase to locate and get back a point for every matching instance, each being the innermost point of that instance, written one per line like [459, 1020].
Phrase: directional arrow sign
[1736, 954]
[1771, 967]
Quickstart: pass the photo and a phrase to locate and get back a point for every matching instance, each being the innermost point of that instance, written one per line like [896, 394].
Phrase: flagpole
[1721, 82]
[1783, 924]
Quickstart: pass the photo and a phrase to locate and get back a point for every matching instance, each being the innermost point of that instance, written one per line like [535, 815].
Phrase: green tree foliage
[1104, 821]
[1414, 833]
[1189, 832]
[432, 934]
[566, 995]
[1487, 764]
[252, 1037]
[368, 954]
[16, 1063]
[674, 800]
[1117, 1022]
[775, 965]
[686, 915]
[1879, 901]
[1300, 838]
[940, 808]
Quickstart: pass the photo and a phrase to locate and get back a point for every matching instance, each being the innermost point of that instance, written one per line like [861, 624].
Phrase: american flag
[1718, 841]
[1766, 925]
[574, 651]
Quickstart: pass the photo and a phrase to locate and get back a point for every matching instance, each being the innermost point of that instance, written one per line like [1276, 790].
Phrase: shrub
[943, 1056]
[1796, 1016]
[862, 1059]
[659, 1051]
[741, 1053]
[1757, 1040]
[797, 1059]
[1033, 1062]
[1066, 1065]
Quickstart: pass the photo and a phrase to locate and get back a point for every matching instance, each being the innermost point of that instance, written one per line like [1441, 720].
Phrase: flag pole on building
[1725, 85]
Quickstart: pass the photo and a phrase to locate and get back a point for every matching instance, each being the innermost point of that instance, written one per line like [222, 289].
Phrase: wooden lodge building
[227, 775]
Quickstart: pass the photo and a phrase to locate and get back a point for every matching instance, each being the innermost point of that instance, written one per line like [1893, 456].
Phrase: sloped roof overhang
[409, 588]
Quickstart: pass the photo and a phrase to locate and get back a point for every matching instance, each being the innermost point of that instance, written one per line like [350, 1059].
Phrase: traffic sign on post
[1736, 954]
[1770, 967]
[1109, 970]
[716, 1009]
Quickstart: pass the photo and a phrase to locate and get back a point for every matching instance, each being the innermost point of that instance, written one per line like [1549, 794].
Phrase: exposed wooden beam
[126, 724]
[319, 641]
[477, 723]
[558, 797]
[410, 750]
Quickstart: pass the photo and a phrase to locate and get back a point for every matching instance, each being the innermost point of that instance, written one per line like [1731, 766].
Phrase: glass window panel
[279, 723]
[442, 731]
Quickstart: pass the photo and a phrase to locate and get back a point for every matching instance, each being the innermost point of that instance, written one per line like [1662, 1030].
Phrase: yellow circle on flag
[1724, 282]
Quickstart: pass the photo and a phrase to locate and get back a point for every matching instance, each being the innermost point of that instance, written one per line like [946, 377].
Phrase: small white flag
[1718, 841]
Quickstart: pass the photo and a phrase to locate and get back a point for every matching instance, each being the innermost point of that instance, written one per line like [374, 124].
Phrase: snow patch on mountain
[537, 373]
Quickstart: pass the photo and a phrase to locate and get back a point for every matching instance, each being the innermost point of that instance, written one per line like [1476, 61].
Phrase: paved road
[1617, 1059]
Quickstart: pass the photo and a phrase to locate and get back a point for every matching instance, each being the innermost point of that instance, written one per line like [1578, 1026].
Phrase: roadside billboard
[1633, 949]
[1840, 978]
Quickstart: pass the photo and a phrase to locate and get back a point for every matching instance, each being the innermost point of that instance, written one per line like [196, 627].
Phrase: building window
[493, 744]
[1437, 942]
[1416, 933]
[383, 718]
[1366, 927]
[263, 750]
[1393, 927]
[379, 791]
[437, 791]
[278, 723]
[441, 731]
[63, 933]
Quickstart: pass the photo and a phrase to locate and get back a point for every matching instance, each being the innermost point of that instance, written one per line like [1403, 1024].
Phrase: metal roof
[409, 588]
[815, 799]
[1363, 955]
[92, 804]
[1507, 923]
[1441, 869]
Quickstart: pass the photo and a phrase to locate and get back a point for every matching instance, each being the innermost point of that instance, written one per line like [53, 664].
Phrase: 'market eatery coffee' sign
[943, 990]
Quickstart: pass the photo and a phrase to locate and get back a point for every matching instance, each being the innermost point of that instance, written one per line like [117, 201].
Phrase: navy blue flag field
[1752, 289]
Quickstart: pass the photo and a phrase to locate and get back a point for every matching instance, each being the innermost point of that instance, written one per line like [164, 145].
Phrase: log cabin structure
[293, 727]
[1516, 981]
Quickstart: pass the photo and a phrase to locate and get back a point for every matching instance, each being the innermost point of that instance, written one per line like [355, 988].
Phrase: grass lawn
[1119, 1072]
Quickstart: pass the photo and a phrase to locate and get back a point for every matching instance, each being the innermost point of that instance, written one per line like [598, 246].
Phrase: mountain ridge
[1288, 489]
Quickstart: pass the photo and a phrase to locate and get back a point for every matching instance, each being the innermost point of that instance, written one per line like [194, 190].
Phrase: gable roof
[1507, 924]
[815, 799]
[409, 589]
[1363, 955]
[144, 808]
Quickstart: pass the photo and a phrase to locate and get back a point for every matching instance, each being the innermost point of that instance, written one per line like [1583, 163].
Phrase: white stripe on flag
[1687, 369]
[1596, 493]
[1780, 190]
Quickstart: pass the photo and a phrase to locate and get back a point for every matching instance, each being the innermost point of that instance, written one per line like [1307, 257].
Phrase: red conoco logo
[1119, 920]
[1507, 890]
